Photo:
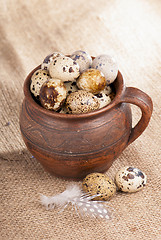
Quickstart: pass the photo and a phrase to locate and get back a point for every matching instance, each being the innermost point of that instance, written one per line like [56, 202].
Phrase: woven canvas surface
[30, 30]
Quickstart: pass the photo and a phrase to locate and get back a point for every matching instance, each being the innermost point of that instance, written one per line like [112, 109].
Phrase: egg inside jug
[74, 84]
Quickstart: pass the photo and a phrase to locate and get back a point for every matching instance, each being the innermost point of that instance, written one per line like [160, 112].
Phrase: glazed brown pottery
[73, 146]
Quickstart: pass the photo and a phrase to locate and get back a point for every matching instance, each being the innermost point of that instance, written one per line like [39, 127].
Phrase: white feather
[79, 200]
[70, 193]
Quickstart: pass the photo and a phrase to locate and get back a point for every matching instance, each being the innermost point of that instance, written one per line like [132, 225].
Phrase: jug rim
[28, 95]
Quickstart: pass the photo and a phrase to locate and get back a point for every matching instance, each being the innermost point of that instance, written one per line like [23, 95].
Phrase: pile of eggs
[75, 84]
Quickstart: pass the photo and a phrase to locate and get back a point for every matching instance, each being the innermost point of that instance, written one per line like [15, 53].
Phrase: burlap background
[30, 30]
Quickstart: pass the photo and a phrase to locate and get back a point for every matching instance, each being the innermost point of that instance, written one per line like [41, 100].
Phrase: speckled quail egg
[103, 96]
[91, 80]
[130, 179]
[99, 184]
[52, 94]
[107, 90]
[103, 99]
[49, 58]
[64, 68]
[83, 59]
[38, 78]
[71, 87]
[81, 102]
[107, 65]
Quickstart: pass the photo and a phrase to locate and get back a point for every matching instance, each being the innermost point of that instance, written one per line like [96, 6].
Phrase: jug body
[71, 145]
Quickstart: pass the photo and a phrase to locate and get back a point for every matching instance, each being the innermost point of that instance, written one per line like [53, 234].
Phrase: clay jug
[73, 146]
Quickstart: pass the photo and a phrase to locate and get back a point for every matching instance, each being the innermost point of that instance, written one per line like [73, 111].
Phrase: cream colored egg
[103, 99]
[130, 179]
[107, 90]
[48, 59]
[104, 96]
[83, 59]
[64, 68]
[38, 78]
[107, 65]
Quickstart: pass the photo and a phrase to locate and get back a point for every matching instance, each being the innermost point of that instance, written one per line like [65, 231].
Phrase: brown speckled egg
[52, 94]
[83, 59]
[99, 184]
[81, 102]
[38, 78]
[91, 80]
[64, 68]
[49, 58]
[130, 179]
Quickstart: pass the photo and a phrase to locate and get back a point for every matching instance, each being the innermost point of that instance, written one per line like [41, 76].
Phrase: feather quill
[81, 202]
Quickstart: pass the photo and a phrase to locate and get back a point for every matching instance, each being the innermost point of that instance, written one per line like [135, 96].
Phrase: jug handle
[143, 101]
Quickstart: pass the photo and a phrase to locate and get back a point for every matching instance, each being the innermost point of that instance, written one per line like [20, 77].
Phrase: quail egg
[38, 78]
[71, 87]
[91, 80]
[130, 179]
[103, 96]
[83, 59]
[81, 102]
[49, 58]
[52, 94]
[99, 184]
[103, 99]
[107, 90]
[107, 65]
[64, 68]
